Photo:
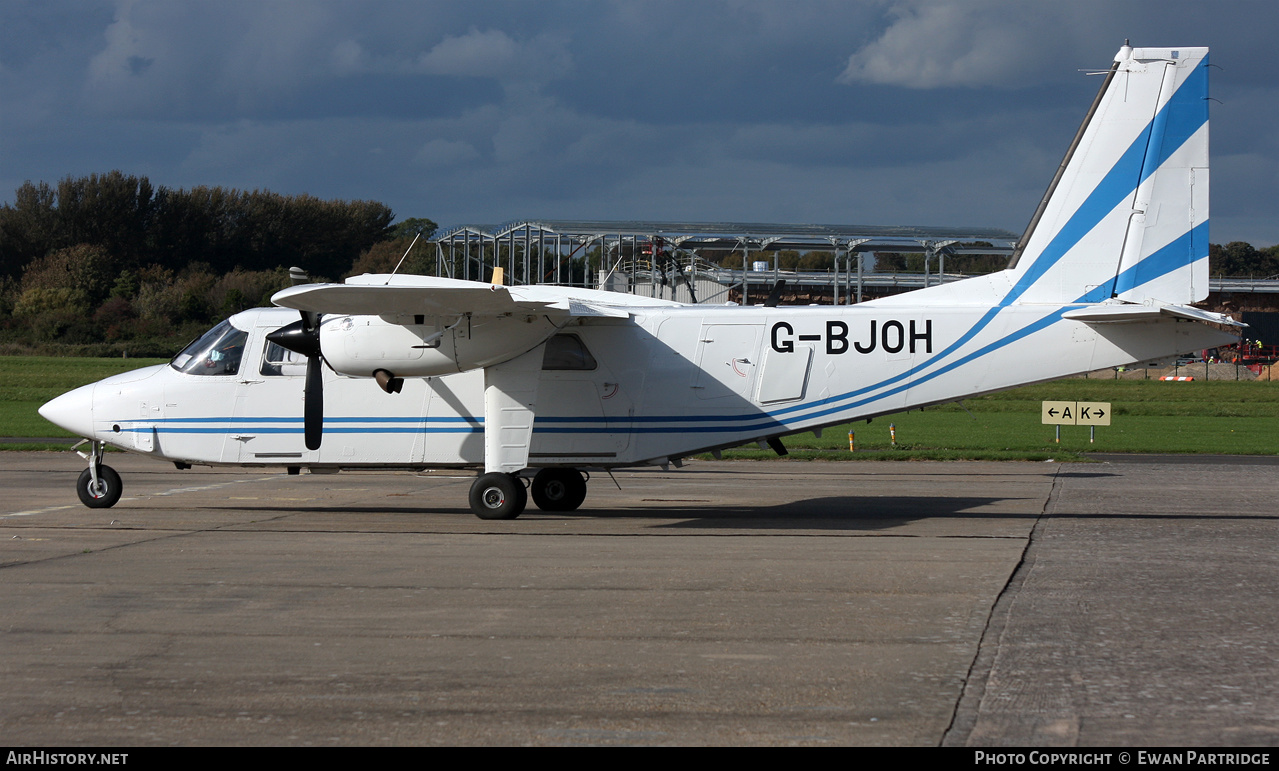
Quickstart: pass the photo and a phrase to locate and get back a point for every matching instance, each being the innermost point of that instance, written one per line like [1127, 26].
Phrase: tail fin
[1127, 215]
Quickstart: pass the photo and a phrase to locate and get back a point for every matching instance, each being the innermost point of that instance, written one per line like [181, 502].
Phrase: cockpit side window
[278, 361]
[566, 351]
[217, 352]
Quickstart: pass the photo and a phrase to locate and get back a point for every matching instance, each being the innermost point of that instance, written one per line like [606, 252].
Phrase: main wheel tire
[559, 489]
[105, 493]
[498, 496]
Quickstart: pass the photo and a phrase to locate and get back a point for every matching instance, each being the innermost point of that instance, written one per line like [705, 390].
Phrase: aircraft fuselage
[660, 385]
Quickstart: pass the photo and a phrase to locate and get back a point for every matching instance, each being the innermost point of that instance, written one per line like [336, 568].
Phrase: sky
[882, 112]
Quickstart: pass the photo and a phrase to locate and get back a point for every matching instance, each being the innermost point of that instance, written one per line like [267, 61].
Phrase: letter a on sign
[1060, 413]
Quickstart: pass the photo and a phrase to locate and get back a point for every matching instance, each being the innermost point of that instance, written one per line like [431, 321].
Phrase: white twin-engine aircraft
[546, 383]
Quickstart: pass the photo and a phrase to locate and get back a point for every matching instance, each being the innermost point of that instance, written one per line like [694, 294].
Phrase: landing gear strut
[99, 486]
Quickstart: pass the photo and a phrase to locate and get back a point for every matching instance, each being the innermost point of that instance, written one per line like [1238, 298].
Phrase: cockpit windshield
[217, 352]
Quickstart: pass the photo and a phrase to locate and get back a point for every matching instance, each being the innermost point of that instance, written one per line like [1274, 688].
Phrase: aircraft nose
[72, 411]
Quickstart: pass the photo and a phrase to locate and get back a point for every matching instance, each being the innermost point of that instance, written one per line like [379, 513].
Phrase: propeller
[303, 337]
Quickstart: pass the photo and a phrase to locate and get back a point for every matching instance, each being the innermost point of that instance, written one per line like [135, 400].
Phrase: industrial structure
[684, 261]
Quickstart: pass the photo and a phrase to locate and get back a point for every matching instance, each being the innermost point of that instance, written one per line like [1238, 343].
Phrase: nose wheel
[101, 493]
[99, 486]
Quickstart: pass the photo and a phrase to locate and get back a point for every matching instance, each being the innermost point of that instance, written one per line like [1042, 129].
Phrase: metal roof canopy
[731, 235]
[615, 238]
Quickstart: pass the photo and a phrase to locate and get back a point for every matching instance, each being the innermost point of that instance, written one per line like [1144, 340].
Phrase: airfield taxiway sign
[1075, 413]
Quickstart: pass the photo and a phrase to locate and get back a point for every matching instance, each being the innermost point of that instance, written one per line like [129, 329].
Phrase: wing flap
[579, 308]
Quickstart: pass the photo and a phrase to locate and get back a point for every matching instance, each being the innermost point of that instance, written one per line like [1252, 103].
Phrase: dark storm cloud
[948, 112]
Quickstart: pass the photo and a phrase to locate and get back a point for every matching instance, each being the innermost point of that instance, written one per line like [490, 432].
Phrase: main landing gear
[503, 496]
[99, 486]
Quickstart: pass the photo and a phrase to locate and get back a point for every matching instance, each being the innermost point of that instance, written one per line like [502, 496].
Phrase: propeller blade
[303, 337]
[313, 404]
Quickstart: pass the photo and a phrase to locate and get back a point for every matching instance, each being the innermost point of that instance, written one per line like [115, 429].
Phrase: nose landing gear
[101, 492]
[99, 486]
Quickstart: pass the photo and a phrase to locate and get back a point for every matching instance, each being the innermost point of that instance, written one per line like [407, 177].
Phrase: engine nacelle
[424, 346]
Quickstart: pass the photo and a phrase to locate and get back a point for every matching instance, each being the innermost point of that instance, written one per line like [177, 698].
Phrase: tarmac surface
[726, 603]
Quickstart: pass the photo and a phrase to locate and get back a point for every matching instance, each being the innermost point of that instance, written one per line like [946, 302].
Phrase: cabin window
[217, 352]
[278, 361]
[567, 352]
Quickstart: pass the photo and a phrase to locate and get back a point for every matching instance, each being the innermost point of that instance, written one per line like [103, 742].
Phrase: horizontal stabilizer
[1123, 312]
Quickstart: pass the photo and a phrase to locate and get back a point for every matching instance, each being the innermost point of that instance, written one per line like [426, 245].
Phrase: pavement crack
[968, 706]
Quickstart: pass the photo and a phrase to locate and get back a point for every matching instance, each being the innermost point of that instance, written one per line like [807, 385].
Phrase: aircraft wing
[374, 295]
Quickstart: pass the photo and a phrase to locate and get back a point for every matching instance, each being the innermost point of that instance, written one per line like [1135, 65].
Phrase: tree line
[136, 224]
[109, 263]
[1238, 259]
